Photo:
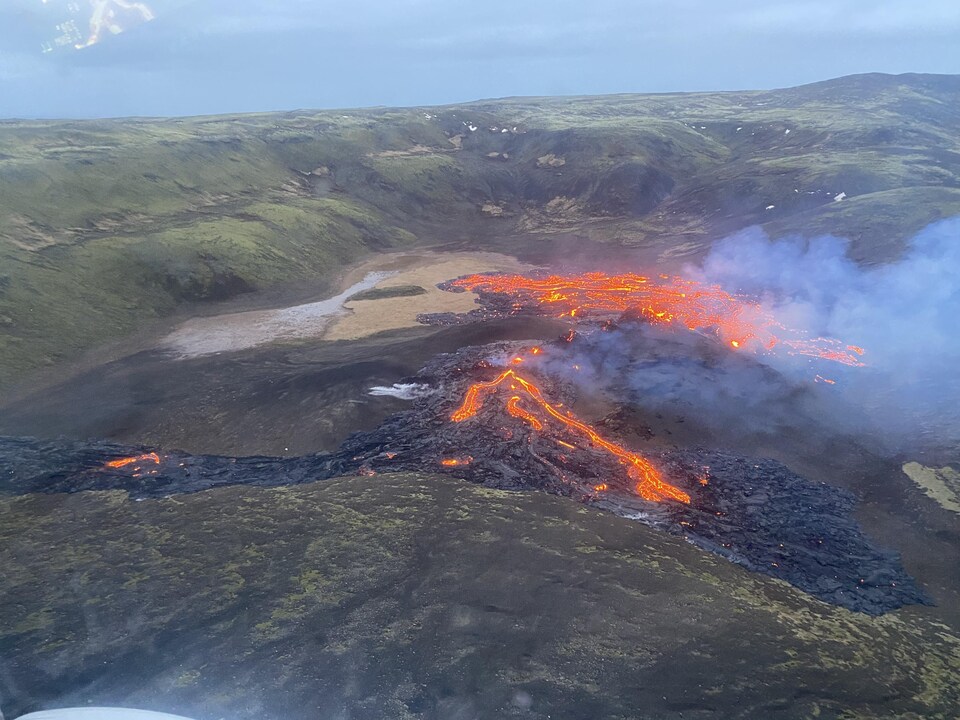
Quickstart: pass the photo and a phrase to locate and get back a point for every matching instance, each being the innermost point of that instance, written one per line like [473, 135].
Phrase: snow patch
[404, 391]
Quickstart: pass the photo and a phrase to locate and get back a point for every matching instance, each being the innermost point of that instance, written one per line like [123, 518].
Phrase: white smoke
[905, 315]
[404, 391]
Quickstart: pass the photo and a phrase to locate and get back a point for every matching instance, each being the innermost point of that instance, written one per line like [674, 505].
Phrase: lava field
[486, 415]
[493, 415]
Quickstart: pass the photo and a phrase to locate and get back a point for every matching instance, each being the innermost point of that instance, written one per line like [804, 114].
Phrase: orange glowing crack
[456, 462]
[514, 409]
[740, 322]
[648, 481]
[124, 462]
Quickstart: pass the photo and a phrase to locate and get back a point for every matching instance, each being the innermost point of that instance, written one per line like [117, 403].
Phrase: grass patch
[107, 223]
[388, 292]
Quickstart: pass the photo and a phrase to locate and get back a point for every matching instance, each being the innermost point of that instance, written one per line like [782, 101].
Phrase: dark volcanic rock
[754, 512]
[759, 514]
[32, 466]
[422, 597]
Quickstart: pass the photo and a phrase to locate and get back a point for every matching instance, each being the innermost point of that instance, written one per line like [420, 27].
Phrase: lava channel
[124, 462]
[648, 481]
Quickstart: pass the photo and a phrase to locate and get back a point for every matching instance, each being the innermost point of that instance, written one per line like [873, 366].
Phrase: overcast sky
[214, 56]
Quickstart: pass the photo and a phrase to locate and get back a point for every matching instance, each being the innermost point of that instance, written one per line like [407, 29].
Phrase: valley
[477, 410]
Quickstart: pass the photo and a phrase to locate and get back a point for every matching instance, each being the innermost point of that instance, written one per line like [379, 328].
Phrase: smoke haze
[905, 315]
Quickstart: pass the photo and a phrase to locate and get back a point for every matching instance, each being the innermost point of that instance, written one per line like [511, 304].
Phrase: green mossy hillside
[105, 224]
[411, 596]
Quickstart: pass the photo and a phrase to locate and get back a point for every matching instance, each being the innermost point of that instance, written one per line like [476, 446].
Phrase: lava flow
[739, 321]
[124, 462]
[648, 482]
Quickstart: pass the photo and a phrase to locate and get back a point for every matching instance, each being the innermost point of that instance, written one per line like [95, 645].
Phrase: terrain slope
[109, 224]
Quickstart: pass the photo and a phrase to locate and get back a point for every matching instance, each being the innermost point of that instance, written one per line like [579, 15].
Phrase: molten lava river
[649, 483]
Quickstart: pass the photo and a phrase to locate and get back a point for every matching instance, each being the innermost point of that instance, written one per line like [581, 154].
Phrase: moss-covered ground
[410, 596]
[107, 224]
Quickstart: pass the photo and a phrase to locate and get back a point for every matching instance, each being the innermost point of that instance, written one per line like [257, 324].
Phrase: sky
[219, 56]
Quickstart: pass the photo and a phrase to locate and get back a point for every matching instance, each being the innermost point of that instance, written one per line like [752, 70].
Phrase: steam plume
[906, 315]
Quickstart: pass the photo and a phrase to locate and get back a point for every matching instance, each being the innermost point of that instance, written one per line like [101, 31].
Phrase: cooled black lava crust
[753, 512]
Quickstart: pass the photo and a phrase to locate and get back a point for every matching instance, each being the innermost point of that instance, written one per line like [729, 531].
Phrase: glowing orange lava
[124, 462]
[648, 482]
[456, 462]
[513, 407]
[739, 321]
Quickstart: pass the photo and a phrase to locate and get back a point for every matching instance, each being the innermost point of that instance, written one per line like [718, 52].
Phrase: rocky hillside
[417, 596]
[106, 224]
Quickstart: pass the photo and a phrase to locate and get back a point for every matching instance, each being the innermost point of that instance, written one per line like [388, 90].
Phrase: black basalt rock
[753, 512]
